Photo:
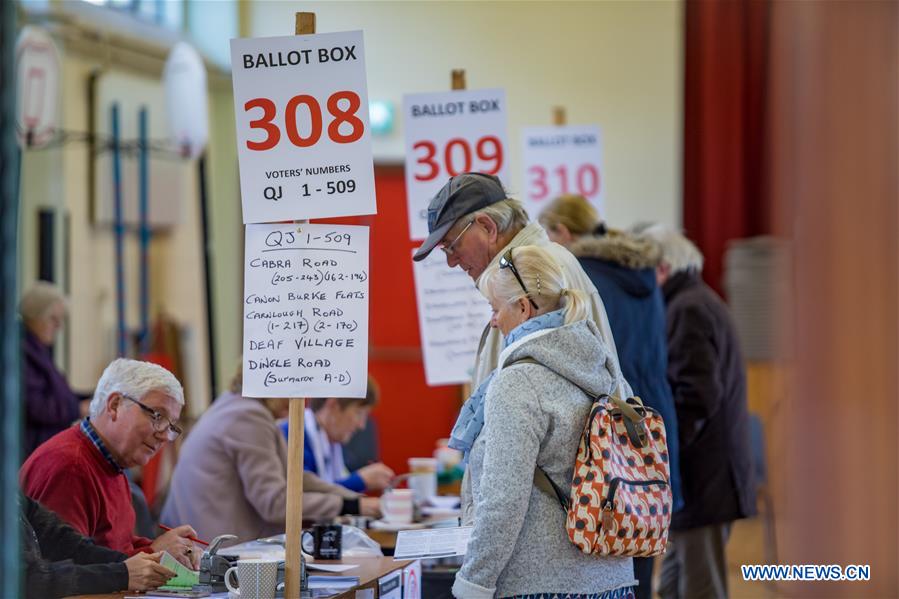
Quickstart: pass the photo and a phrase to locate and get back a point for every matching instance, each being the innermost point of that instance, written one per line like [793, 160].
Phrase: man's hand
[376, 476]
[370, 506]
[145, 572]
[177, 543]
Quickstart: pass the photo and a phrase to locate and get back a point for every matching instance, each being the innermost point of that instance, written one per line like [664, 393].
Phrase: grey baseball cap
[462, 194]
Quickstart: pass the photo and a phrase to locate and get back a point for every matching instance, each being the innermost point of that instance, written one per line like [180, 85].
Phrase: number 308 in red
[273, 133]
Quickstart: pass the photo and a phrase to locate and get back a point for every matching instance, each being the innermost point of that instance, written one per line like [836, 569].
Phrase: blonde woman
[524, 415]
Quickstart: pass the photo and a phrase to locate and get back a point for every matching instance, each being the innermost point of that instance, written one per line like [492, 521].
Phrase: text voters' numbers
[305, 108]
[458, 157]
[586, 181]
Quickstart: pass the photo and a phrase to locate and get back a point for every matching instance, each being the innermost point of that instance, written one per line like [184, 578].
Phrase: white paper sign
[305, 311]
[412, 580]
[447, 134]
[558, 161]
[37, 87]
[303, 139]
[390, 586]
[432, 542]
[452, 314]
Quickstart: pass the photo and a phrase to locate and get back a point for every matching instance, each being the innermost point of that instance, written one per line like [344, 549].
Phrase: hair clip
[538, 284]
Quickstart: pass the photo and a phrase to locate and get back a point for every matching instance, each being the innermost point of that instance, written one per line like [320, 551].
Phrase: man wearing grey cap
[473, 221]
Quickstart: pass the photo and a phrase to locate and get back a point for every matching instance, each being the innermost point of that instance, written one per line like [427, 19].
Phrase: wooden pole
[559, 116]
[304, 25]
[458, 79]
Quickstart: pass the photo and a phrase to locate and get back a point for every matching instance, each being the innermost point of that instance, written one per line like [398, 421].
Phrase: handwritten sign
[303, 138]
[447, 134]
[559, 161]
[452, 314]
[305, 311]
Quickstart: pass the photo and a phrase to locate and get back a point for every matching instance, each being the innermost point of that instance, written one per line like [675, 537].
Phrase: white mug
[396, 505]
[257, 577]
[423, 478]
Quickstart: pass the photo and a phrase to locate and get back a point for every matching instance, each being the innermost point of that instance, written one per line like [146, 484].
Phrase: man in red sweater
[79, 473]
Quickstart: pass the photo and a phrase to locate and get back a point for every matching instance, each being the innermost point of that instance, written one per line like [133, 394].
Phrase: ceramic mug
[257, 578]
[396, 505]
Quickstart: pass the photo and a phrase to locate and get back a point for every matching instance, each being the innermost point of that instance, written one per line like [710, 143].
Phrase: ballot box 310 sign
[447, 134]
[303, 140]
[305, 311]
[559, 161]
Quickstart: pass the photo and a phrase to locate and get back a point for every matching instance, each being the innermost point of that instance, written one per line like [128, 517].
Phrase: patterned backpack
[619, 502]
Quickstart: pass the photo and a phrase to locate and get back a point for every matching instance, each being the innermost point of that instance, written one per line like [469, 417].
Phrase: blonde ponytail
[574, 304]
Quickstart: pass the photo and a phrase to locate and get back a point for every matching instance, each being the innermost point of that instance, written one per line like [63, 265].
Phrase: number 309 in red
[273, 133]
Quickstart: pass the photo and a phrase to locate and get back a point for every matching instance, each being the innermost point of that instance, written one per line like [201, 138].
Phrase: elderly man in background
[50, 405]
[79, 473]
[708, 379]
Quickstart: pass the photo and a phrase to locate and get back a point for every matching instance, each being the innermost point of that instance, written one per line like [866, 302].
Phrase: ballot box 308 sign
[448, 134]
[559, 161]
[303, 140]
[305, 311]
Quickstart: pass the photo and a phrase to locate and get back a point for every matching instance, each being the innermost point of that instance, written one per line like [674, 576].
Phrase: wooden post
[458, 79]
[559, 116]
[304, 25]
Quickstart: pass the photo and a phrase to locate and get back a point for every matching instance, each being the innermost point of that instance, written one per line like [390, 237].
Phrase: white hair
[38, 300]
[546, 283]
[134, 379]
[508, 214]
[677, 251]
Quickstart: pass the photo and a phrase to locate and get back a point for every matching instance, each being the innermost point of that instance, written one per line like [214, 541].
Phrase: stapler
[213, 566]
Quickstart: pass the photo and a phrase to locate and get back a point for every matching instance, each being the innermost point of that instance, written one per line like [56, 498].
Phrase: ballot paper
[184, 578]
[429, 543]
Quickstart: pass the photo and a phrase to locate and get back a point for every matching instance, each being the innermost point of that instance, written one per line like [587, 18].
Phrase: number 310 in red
[273, 133]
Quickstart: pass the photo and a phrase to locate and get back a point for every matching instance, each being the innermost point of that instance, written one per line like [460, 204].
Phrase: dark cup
[326, 540]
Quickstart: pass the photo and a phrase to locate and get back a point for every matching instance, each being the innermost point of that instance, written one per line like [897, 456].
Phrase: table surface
[369, 570]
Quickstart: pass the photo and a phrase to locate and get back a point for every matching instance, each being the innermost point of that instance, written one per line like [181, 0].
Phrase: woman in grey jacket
[525, 415]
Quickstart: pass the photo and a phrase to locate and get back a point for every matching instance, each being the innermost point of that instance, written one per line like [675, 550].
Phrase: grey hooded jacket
[532, 416]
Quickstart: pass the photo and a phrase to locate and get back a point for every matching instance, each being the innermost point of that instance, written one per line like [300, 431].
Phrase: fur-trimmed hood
[619, 247]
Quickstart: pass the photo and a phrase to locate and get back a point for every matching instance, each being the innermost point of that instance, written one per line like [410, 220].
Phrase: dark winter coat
[707, 376]
[623, 270]
[58, 561]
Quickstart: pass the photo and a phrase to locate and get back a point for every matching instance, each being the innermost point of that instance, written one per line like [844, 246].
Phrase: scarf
[471, 418]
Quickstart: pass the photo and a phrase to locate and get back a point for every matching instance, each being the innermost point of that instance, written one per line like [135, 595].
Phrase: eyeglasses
[160, 422]
[505, 261]
[448, 249]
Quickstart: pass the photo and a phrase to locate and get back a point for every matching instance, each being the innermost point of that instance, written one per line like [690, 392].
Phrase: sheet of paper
[449, 133]
[558, 161]
[452, 314]
[184, 578]
[305, 311]
[438, 542]
[303, 136]
[329, 567]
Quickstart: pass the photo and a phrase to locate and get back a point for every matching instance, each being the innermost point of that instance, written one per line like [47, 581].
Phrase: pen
[194, 539]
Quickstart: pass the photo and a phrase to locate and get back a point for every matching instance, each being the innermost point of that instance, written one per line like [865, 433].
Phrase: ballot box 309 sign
[303, 139]
[559, 161]
[305, 311]
[447, 134]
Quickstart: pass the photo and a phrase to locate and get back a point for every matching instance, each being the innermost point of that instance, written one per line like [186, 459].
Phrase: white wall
[616, 64]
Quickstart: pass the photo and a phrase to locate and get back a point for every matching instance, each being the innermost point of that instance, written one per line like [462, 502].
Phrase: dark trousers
[695, 565]
[643, 574]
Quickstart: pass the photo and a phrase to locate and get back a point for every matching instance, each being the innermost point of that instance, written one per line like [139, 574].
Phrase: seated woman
[524, 415]
[331, 422]
[231, 476]
[50, 405]
[58, 561]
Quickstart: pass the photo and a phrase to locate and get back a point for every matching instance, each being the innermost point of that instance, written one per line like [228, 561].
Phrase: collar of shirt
[88, 429]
